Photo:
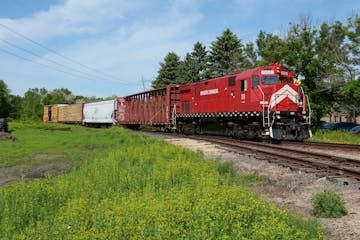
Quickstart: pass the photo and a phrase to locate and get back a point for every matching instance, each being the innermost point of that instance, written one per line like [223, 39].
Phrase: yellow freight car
[72, 113]
[51, 112]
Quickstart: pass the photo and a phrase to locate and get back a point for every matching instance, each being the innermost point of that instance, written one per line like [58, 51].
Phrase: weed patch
[328, 204]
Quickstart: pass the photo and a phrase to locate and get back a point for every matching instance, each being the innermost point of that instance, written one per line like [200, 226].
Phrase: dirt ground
[7, 136]
[25, 172]
[290, 189]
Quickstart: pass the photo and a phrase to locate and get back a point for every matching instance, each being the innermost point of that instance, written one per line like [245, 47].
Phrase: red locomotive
[265, 102]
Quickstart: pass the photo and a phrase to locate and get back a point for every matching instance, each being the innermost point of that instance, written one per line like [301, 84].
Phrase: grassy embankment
[127, 186]
[335, 137]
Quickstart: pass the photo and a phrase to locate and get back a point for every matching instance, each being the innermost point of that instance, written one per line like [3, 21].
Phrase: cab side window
[231, 81]
[255, 81]
[243, 86]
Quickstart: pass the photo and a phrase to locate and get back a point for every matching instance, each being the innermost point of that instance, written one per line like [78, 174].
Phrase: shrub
[328, 204]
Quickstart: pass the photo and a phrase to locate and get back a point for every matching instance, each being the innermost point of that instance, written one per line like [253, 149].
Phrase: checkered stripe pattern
[220, 114]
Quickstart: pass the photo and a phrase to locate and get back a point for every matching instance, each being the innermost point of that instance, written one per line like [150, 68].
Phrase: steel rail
[324, 165]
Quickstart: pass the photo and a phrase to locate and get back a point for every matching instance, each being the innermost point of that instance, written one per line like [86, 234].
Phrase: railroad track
[321, 164]
[323, 145]
[292, 154]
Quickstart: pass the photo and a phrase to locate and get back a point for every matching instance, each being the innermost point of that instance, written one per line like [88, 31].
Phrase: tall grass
[336, 137]
[141, 189]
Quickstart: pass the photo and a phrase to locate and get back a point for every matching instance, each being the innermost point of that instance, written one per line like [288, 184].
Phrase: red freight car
[264, 101]
[155, 107]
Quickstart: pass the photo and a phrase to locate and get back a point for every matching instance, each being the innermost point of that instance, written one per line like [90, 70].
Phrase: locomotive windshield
[270, 80]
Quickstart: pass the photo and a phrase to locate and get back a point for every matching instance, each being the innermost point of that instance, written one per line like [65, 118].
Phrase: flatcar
[264, 102]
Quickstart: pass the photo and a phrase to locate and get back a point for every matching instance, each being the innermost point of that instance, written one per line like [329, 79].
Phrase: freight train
[261, 103]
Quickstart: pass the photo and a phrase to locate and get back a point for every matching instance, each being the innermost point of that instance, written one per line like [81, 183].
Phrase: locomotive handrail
[263, 106]
[303, 94]
[173, 115]
[308, 103]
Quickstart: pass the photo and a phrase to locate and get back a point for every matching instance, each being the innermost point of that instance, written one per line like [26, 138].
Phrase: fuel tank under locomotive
[229, 126]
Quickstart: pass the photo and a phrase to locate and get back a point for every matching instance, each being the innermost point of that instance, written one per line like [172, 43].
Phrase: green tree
[192, 68]
[250, 57]
[58, 96]
[186, 71]
[302, 56]
[270, 48]
[32, 105]
[168, 72]
[351, 93]
[226, 53]
[338, 52]
[300, 52]
[4, 100]
[199, 57]
[15, 103]
[353, 46]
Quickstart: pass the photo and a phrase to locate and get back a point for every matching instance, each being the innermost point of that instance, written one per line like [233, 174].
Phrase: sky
[114, 47]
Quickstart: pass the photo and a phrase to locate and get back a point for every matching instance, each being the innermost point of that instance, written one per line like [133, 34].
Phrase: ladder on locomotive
[267, 120]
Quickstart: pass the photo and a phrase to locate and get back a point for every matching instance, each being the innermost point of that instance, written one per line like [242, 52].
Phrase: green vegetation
[335, 137]
[328, 204]
[137, 188]
[36, 139]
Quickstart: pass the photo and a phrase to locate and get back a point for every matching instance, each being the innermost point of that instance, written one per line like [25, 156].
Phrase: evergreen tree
[250, 58]
[168, 72]
[225, 54]
[186, 71]
[199, 59]
[192, 69]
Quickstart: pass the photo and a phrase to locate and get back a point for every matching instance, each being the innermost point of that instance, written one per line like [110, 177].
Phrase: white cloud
[73, 17]
[119, 37]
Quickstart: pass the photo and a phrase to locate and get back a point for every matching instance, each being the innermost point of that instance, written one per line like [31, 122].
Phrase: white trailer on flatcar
[97, 114]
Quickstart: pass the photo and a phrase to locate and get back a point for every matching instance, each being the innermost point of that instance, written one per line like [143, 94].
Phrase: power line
[41, 64]
[59, 54]
[49, 60]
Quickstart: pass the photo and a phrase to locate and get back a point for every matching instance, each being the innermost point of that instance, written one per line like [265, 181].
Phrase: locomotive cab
[285, 110]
